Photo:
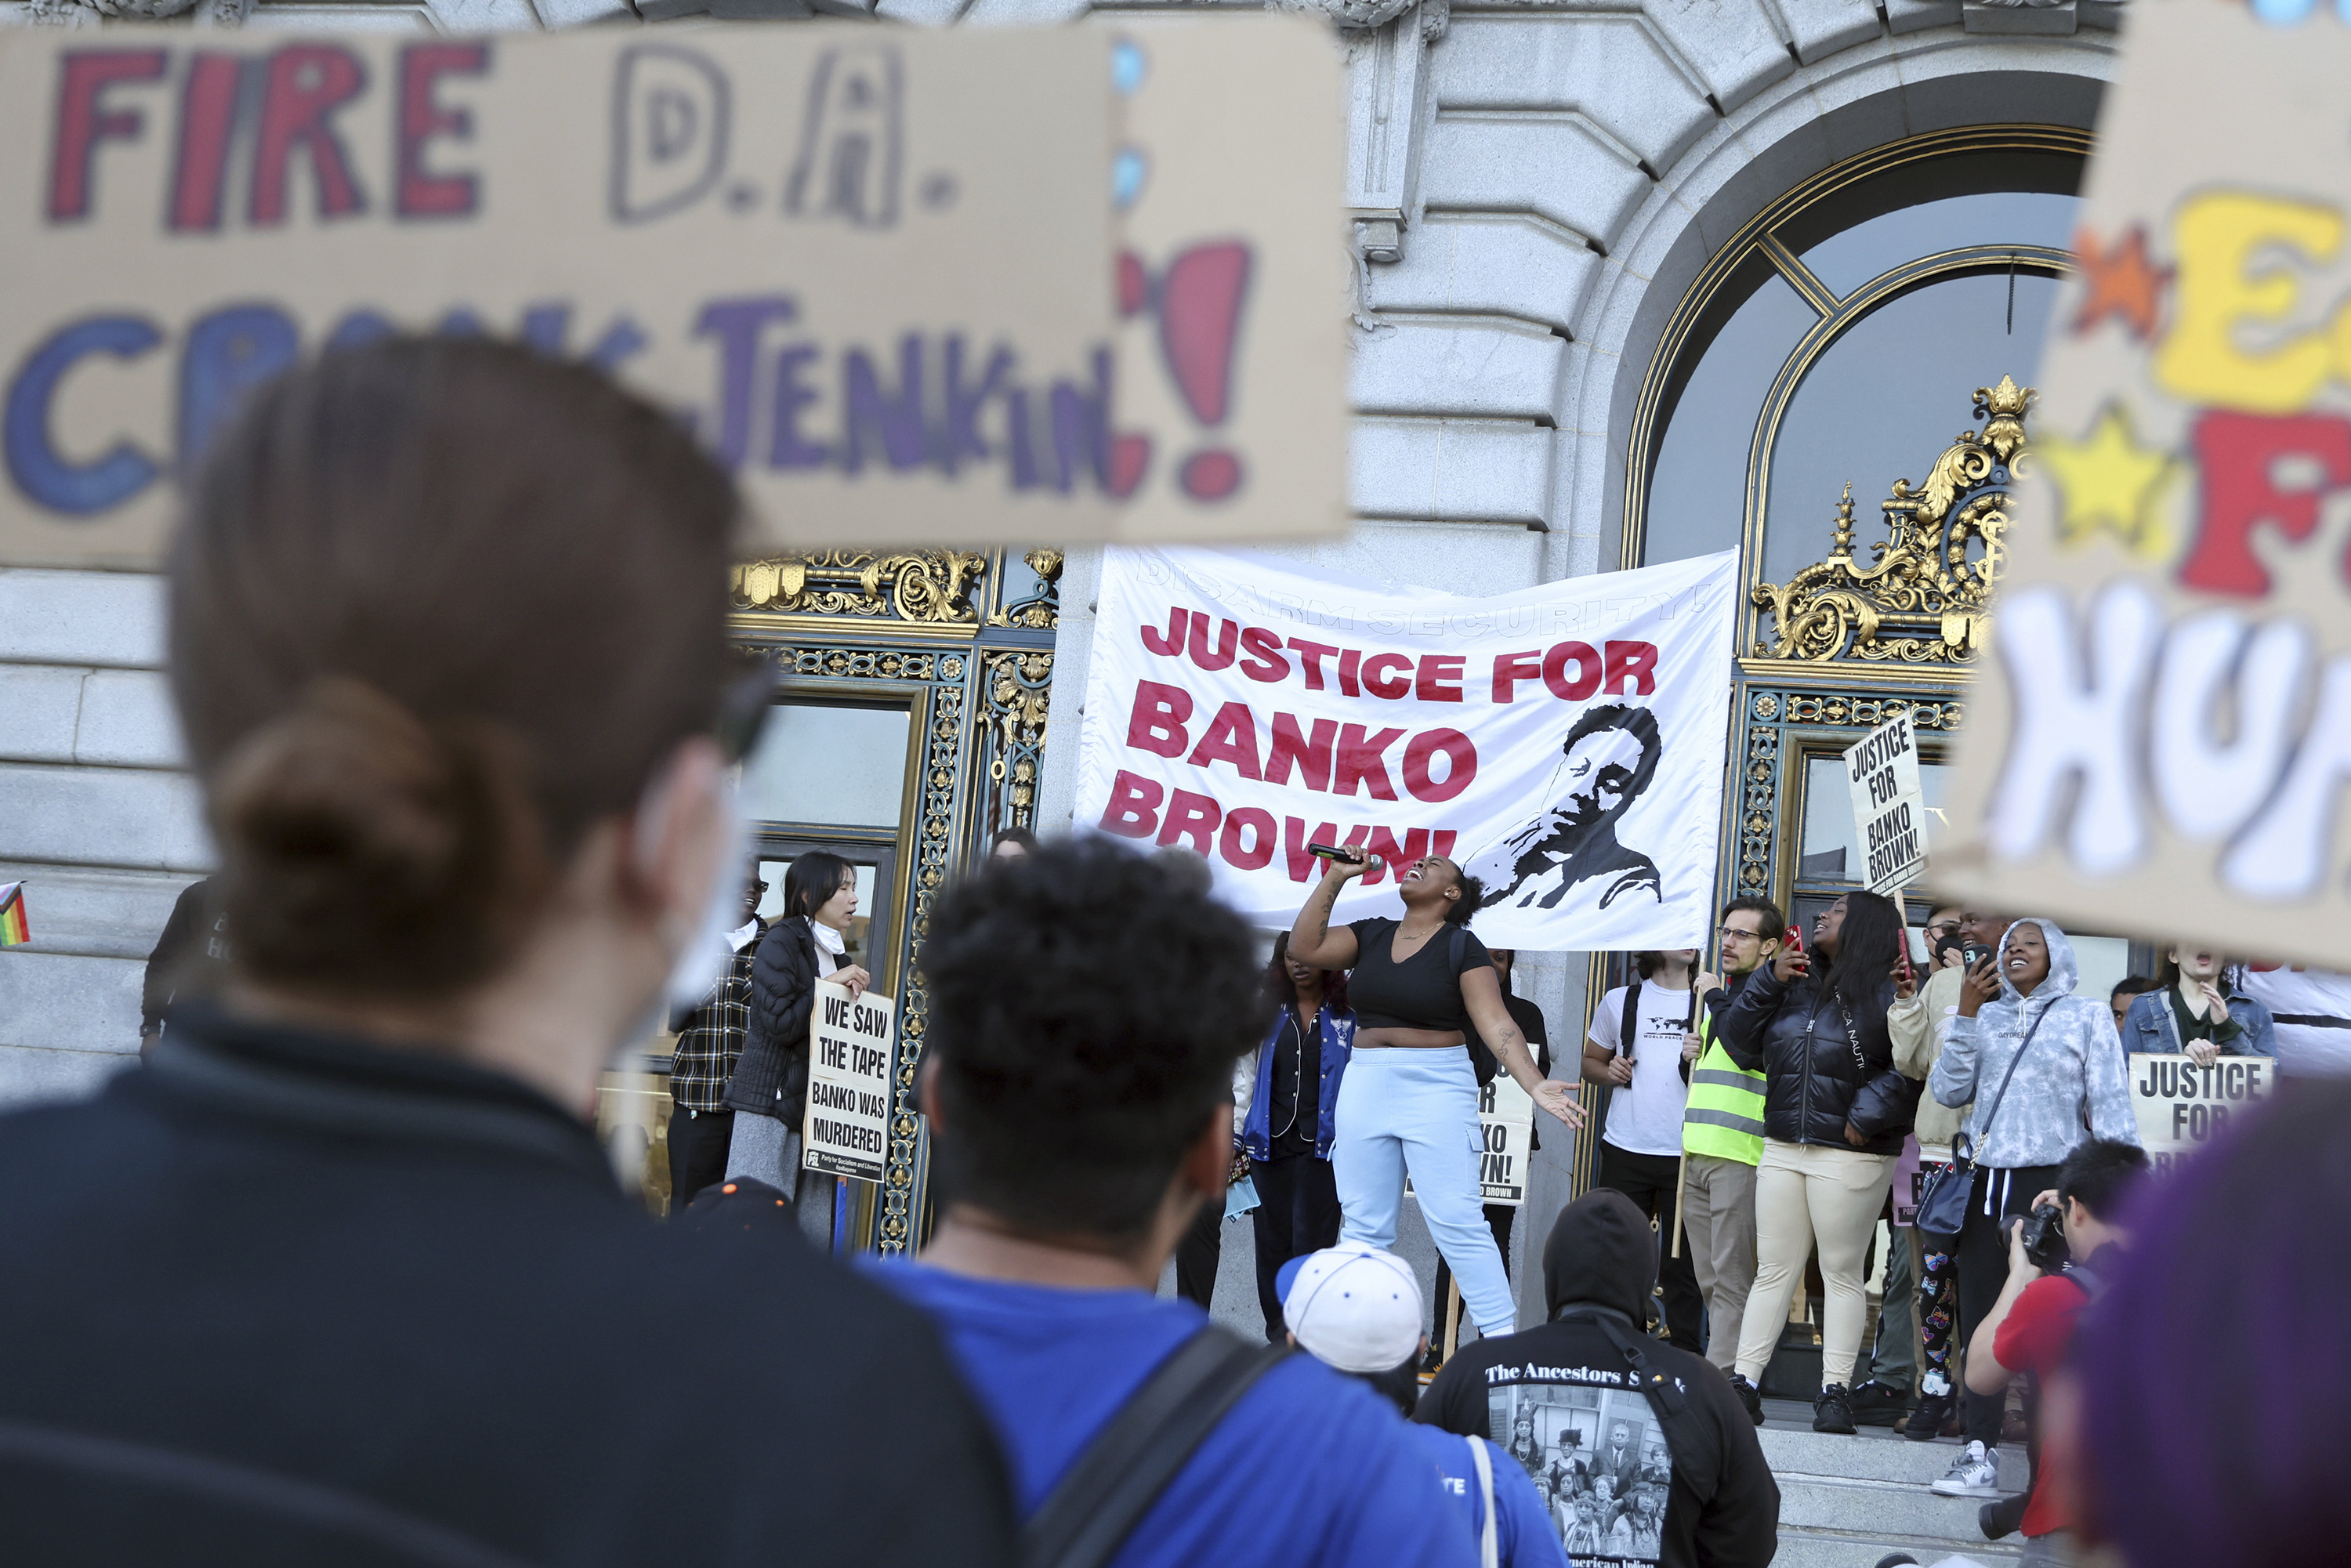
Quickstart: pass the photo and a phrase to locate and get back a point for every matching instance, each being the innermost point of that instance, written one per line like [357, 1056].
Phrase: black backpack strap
[1100, 1500]
[1628, 1027]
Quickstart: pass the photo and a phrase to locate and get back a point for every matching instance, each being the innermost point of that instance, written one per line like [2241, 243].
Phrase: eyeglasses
[1943, 928]
[1728, 932]
[744, 704]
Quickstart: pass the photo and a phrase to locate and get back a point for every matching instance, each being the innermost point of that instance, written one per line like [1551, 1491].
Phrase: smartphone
[1974, 953]
[1903, 967]
[1796, 938]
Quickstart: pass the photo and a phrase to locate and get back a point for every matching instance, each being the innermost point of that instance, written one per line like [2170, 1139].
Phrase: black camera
[2045, 1238]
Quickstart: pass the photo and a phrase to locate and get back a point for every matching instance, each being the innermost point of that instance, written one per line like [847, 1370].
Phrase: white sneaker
[1975, 1473]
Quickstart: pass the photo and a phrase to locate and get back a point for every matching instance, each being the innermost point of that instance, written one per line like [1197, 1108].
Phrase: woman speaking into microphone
[1409, 1101]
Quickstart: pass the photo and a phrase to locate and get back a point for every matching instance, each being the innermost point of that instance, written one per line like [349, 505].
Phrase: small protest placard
[2181, 1107]
[846, 1129]
[1506, 1118]
[2161, 726]
[1889, 809]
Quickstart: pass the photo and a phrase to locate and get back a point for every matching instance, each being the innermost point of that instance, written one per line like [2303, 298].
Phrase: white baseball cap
[1354, 1307]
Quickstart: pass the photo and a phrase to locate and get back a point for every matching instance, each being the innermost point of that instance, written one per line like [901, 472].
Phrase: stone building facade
[1539, 190]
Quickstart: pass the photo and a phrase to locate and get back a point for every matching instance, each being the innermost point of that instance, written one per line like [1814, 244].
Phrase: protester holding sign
[1292, 1117]
[341, 1273]
[1410, 1099]
[1836, 1110]
[2040, 1064]
[769, 1090]
[1640, 1047]
[1722, 1135]
[2192, 1010]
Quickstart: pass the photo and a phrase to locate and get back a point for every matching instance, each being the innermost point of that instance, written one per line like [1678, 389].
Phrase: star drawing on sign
[2108, 480]
[2120, 281]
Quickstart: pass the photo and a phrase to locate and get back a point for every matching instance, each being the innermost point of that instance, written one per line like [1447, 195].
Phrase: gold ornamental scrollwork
[1042, 612]
[923, 587]
[1016, 684]
[1923, 598]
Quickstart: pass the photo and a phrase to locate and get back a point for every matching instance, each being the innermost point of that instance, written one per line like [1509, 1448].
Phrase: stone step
[1874, 1453]
[1827, 1549]
[1891, 1508]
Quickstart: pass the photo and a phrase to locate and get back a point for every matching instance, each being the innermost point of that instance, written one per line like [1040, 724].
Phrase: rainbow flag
[15, 930]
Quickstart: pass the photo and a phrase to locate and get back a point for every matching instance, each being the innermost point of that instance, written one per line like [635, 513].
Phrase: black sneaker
[2003, 1519]
[1876, 1405]
[1749, 1397]
[1928, 1421]
[1832, 1411]
[1433, 1363]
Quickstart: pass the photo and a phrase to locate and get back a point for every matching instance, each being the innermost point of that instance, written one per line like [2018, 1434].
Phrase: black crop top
[1422, 992]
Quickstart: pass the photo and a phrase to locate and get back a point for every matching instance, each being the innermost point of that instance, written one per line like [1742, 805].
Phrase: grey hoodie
[2071, 1084]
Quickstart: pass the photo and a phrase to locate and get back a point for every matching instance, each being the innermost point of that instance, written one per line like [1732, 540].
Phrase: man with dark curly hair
[1569, 852]
[1086, 1007]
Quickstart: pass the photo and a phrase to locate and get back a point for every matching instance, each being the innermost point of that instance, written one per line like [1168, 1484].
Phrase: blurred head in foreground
[1087, 1004]
[2212, 1370]
[447, 642]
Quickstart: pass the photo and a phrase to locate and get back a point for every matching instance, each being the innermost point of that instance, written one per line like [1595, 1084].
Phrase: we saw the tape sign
[846, 1129]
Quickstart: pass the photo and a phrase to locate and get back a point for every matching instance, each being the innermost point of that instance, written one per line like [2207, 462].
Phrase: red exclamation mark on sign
[1129, 454]
[1199, 320]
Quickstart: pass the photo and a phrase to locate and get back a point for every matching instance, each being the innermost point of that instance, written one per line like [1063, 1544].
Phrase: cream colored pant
[1808, 1196]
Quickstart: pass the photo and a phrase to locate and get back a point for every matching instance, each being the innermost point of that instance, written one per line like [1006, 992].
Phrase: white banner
[846, 1128]
[1564, 744]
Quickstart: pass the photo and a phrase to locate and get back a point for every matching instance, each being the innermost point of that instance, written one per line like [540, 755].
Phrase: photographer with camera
[2059, 1256]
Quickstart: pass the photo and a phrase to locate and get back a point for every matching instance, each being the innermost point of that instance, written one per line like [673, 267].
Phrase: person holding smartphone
[1835, 1112]
[2192, 1008]
[1409, 1101]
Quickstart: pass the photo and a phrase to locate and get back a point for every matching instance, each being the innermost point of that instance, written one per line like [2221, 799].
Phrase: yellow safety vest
[1724, 1116]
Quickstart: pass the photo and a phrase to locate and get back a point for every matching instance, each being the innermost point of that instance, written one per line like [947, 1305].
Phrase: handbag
[1943, 1197]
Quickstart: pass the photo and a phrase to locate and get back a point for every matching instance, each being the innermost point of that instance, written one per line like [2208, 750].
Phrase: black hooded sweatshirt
[1619, 1477]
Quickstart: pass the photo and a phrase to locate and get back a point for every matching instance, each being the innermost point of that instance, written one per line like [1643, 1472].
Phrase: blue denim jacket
[2150, 1027]
[1338, 1044]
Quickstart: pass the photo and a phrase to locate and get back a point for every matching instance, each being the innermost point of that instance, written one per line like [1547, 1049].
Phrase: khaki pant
[1718, 1237]
[1808, 1196]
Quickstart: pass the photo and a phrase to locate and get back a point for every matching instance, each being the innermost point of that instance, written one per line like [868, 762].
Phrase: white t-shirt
[1644, 1117]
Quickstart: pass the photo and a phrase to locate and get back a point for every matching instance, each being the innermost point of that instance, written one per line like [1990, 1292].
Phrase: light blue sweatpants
[1401, 1109]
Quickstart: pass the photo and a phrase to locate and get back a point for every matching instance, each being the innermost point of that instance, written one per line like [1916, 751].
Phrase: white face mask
[707, 953]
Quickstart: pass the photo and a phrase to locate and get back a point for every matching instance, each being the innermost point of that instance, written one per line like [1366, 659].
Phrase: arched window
[1834, 338]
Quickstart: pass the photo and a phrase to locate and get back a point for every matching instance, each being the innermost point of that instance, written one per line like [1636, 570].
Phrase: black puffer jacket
[771, 1075]
[1796, 1037]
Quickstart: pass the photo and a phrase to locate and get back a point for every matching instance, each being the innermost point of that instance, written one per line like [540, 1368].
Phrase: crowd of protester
[341, 1272]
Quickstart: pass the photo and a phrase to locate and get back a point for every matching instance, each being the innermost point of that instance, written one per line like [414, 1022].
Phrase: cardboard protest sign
[2162, 730]
[1889, 809]
[1506, 1124]
[846, 1128]
[1564, 743]
[1231, 282]
[2181, 1107]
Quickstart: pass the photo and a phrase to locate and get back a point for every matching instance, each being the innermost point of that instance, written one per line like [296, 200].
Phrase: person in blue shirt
[1357, 1308]
[1086, 1006]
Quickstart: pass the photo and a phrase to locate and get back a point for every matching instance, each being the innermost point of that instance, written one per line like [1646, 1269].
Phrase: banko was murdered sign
[846, 1129]
[874, 270]
[1889, 809]
[1506, 1124]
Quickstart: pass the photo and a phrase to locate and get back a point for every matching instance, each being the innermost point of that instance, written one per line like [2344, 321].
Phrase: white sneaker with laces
[1975, 1473]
